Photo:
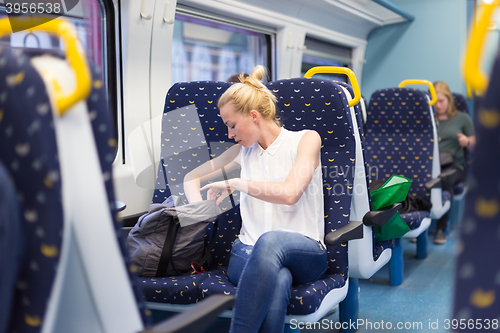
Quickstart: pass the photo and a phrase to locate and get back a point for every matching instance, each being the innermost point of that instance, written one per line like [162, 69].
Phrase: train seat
[366, 256]
[316, 111]
[476, 288]
[28, 151]
[302, 105]
[461, 103]
[402, 139]
[11, 244]
[73, 277]
[192, 133]
[34, 158]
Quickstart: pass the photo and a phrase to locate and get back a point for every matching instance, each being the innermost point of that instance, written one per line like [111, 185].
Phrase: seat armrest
[433, 183]
[354, 230]
[196, 319]
[436, 182]
[378, 218]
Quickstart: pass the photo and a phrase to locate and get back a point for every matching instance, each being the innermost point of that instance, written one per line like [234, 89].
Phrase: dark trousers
[448, 181]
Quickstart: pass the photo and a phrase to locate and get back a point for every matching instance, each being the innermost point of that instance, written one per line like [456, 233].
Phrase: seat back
[476, 287]
[193, 133]
[461, 103]
[322, 105]
[364, 253]
[61, 184]
[30, 154]
[400, 137]
[11, 245]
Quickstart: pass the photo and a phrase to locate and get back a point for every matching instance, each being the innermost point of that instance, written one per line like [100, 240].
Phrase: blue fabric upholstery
[322, 106]
[413, 219]
[176, 290]
[29, 152]
[459, 188]
[446, 195]
[97, 105]
[461, 103]
[304, 299]
[302, 104]
[400, 139]
[27, 133]
[379, 247]
[477, 289]
[11, 244]
[192, 143]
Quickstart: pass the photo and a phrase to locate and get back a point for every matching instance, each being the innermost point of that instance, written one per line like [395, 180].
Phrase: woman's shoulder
[305, 134]
[463, 116]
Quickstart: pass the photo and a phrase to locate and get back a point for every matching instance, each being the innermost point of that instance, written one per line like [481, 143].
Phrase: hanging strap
[168, 247]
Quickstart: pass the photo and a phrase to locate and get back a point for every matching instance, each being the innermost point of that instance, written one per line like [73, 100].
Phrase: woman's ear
[255, 116]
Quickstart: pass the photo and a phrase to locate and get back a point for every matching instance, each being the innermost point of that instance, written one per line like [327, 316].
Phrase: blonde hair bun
[251, 94]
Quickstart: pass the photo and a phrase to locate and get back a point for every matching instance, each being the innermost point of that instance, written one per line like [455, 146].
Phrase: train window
[93, 20]
[320, 53]
[205, 49]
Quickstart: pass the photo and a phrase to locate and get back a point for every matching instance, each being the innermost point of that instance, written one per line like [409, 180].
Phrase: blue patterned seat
[29, 152]
[402, 139]
[461, 103]
[192, 133]
[361, 266]
[303, 104]
[11, 244]
[33, 156]
[476, 289]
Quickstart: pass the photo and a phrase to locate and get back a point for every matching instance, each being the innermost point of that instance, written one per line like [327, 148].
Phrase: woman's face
[240, 127]
[441, 104]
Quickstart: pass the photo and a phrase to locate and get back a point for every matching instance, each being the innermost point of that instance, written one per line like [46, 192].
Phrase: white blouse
[273, 165]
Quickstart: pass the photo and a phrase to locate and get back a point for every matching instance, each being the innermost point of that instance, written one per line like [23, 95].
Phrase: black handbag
[446, 159]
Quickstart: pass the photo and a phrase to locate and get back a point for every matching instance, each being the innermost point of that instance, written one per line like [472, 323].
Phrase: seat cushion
[414, 219]
[305, 299]
[175, 289]
[459, 188]
[379, 247]
[446, 196]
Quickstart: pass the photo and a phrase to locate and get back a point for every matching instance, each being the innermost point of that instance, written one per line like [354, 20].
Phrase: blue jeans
[264, 274]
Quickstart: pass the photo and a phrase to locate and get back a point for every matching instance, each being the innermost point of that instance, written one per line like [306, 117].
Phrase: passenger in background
[236, 77]
[456, 134]
[281, 204]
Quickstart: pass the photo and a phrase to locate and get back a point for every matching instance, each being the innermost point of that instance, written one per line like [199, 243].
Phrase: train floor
[422, 303]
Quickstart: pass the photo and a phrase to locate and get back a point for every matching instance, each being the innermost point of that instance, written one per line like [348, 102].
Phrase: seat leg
[349, 307]
[396, 264]
[422, 245]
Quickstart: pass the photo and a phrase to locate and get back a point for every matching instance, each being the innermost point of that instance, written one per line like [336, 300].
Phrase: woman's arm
[468, 142]
[289, 191]
[229, 160]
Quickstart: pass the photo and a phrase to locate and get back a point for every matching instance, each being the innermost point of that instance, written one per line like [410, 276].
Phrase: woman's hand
[222, 187]
[463, 140]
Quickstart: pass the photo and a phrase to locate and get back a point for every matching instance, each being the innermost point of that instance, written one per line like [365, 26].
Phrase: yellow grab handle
[339, 70]
[424, 82]
[473, 75]
[76, 60]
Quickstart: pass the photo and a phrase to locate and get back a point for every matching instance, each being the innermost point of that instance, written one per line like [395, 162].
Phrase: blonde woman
[456, 134]
[281, 204]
